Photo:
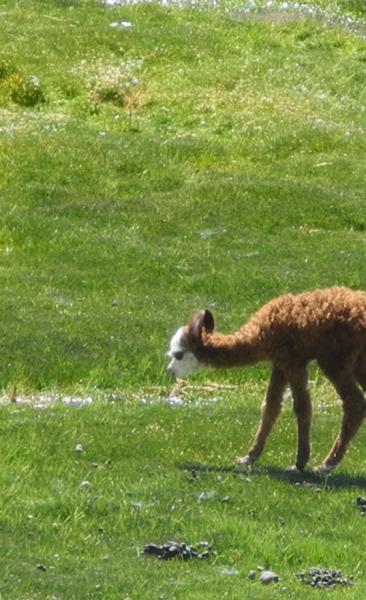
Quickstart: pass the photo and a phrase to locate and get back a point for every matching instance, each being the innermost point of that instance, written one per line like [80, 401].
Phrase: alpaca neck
[234, 350]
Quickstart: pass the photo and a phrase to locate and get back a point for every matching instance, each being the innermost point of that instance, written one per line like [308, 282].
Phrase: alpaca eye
[178, 355]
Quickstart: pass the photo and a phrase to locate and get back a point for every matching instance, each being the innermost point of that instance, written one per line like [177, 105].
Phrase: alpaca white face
[183, 360]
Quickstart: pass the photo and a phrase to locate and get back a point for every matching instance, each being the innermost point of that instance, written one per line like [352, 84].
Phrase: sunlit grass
[86, 488]
[195, 158]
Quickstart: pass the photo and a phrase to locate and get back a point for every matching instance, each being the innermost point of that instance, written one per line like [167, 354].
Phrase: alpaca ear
[208, 321]
[201, 320]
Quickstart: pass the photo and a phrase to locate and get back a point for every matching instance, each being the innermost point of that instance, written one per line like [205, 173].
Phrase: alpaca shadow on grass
[334, 481]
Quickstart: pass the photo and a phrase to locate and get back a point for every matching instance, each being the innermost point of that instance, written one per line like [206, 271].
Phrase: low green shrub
[26, 90]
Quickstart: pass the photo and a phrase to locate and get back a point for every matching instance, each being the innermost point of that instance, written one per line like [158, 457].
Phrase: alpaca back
[300, 324]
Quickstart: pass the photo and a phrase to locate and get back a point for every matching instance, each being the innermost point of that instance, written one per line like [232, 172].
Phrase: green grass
[159, 472]
[230, 169]
[198, 158]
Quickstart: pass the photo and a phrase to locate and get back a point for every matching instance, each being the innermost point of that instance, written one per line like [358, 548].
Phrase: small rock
[204, 496]
[251, 574]
[79, 448]
[41, 567]
[230, 571]
[121, 25]
[85, 485]
[267, 577]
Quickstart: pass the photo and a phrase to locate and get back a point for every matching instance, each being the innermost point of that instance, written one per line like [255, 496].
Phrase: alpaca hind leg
[271, 409]
[303, 412]
[360, 371]
[354, 411]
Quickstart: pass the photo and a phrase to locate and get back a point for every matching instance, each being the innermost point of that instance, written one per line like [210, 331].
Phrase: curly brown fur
[328, 326]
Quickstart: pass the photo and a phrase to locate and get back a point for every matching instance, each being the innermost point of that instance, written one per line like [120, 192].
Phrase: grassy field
[154, 161]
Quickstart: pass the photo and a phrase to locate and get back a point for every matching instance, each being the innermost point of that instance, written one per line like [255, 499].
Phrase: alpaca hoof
[294, 470]
[245, 461]
[323, 469]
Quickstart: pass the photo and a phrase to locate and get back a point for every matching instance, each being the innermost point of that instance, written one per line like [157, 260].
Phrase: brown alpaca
[328, 326]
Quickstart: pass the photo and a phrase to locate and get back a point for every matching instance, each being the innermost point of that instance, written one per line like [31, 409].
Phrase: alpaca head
[186, 343]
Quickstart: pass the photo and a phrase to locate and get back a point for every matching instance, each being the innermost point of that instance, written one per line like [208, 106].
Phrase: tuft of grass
[26, 91]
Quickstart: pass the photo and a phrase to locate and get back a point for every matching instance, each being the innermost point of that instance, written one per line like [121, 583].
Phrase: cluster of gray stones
[318, 577]
[361, 503]
[178, 550]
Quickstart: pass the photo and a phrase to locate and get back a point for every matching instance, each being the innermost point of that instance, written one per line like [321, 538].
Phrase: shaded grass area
[153, 472]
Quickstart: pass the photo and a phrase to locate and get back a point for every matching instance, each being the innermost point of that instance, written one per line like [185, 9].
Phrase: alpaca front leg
[271, 408]
[354, 411]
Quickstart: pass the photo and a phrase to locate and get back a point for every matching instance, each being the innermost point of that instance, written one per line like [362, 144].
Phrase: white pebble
[85, 484]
